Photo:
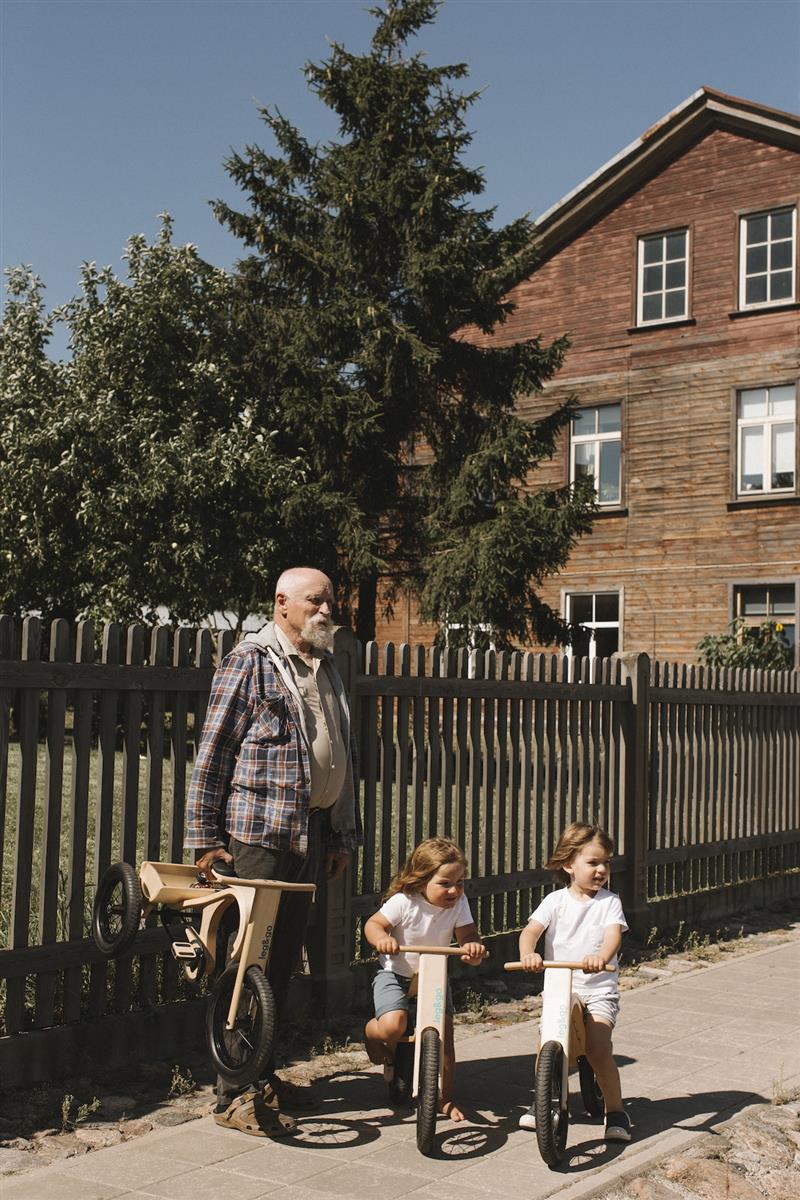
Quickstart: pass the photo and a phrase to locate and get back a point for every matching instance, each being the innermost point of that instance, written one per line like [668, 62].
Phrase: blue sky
[115, 110]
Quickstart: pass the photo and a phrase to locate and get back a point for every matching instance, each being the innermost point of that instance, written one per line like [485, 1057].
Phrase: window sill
[611, 511]
[764, 310]
[659, 325]
[762, 502]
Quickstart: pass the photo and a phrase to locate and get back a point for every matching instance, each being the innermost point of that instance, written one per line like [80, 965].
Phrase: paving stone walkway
[694, 1049]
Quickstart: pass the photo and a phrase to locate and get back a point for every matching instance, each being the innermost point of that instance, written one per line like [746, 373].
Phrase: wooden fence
[695, 773]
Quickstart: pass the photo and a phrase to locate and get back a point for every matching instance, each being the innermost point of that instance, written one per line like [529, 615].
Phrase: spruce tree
[368, 263]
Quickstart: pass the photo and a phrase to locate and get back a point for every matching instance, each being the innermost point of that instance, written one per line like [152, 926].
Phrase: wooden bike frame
[176, 886]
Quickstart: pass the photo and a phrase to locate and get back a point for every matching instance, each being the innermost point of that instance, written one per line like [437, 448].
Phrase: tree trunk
[367, 603]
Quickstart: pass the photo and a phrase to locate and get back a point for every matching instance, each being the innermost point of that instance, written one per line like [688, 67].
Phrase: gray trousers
[261, 862]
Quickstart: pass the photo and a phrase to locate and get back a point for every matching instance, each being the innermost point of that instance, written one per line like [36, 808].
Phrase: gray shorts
[390, 993]
[605, 1007]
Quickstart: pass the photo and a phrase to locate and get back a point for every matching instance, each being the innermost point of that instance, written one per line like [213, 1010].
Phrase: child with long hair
[424, 905]
[585, 921]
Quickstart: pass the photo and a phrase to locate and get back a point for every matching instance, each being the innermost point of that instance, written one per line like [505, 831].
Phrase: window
[662, 292]
[598, 613]
[766, 440]
[756, 603]
[595, 449]
[767, 258]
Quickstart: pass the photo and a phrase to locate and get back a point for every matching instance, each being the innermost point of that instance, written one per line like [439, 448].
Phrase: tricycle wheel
[241, 1054]
[428, 1099]
[551, 1103]
[117, 909]
[591, 1095]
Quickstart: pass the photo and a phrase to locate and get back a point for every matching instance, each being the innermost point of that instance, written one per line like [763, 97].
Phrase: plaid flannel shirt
[252, 775]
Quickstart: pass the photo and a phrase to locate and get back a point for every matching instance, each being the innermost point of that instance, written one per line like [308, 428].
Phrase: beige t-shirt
[323, 722]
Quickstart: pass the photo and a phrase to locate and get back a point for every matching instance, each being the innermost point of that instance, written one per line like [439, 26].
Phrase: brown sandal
[257, 1115]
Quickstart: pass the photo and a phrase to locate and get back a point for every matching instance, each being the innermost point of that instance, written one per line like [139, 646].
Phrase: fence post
[636, 799]
[330, 936]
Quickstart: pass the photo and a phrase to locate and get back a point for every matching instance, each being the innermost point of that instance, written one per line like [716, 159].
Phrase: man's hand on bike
[473, 953]
[387, 945]
[593, 963]
[532, 962]
[208, 857]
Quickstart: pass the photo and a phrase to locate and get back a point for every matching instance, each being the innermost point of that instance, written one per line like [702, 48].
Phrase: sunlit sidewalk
[693, 1050]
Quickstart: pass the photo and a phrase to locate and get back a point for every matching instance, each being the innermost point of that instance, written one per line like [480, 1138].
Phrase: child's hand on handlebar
[532, 962]
[387, 945]
[473, 953]
[593, 963]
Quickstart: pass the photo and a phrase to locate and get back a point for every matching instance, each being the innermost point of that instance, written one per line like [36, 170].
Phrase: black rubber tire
[591, 1095]
[551, 1101]
[428, 1097]
[402, 1086]
[117, 909]
[241, 1055]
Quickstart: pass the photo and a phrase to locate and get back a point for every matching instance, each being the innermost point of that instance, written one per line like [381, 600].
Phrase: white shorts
[604, 1007]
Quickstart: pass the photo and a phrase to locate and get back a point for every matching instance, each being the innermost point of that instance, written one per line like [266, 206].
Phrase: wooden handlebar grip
[435, 950]
[546, 966]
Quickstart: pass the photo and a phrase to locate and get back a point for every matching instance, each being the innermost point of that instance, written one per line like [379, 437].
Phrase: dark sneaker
[528, 1119]
[618, 1127]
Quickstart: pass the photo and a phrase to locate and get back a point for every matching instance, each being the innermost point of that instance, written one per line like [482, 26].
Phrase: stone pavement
[693, 1050]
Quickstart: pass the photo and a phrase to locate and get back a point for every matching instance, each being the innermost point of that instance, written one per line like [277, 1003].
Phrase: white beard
[318, 632]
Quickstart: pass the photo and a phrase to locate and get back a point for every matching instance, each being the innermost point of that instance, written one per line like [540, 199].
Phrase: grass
[64, 901]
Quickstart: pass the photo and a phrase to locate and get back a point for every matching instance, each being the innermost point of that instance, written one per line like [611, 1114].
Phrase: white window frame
[766, 423]
[597, 439]
[566, 607]
[640, 293]
[769, 213]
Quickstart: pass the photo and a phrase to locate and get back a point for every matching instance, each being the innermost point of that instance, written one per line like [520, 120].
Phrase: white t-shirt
[575, 928]
[416, 922]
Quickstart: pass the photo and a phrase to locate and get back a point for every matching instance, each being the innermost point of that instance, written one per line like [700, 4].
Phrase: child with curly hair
[423, 906]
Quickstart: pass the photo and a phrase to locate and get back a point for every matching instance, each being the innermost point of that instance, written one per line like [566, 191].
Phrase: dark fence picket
[28, 710]
[107, 717]
[76, 899]
[50, 836]
[7, 632]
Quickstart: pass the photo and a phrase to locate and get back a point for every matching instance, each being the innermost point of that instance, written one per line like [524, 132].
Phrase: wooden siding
[680, 540]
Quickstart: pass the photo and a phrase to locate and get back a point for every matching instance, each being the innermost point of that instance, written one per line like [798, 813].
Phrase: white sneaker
[528, 1119]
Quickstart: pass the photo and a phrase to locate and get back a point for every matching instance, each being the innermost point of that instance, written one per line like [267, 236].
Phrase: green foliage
[83, 1112]
[182, 1083]
[764, 646]
[319, 405]
[368, 258]
[143, 471]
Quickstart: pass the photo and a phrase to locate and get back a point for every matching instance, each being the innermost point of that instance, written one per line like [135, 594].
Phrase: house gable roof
[705, 109]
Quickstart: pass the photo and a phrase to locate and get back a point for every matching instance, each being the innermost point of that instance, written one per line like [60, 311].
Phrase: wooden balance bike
[240, 1019]
[418, 1061]
[562, 1046]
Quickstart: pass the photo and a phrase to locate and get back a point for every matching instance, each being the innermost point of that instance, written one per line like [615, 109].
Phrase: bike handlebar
[546, 966]
[435, 950]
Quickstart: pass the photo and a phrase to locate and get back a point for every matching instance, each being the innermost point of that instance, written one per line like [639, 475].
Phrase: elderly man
[273, 792]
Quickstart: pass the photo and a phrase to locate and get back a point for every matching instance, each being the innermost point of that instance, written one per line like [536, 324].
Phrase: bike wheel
[240, 1055]
[402, 1085]
[117, 909]
[590, 1089]
[551, 1103]
[428, 1098]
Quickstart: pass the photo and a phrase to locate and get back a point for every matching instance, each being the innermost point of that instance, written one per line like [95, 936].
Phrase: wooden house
[674, 271]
